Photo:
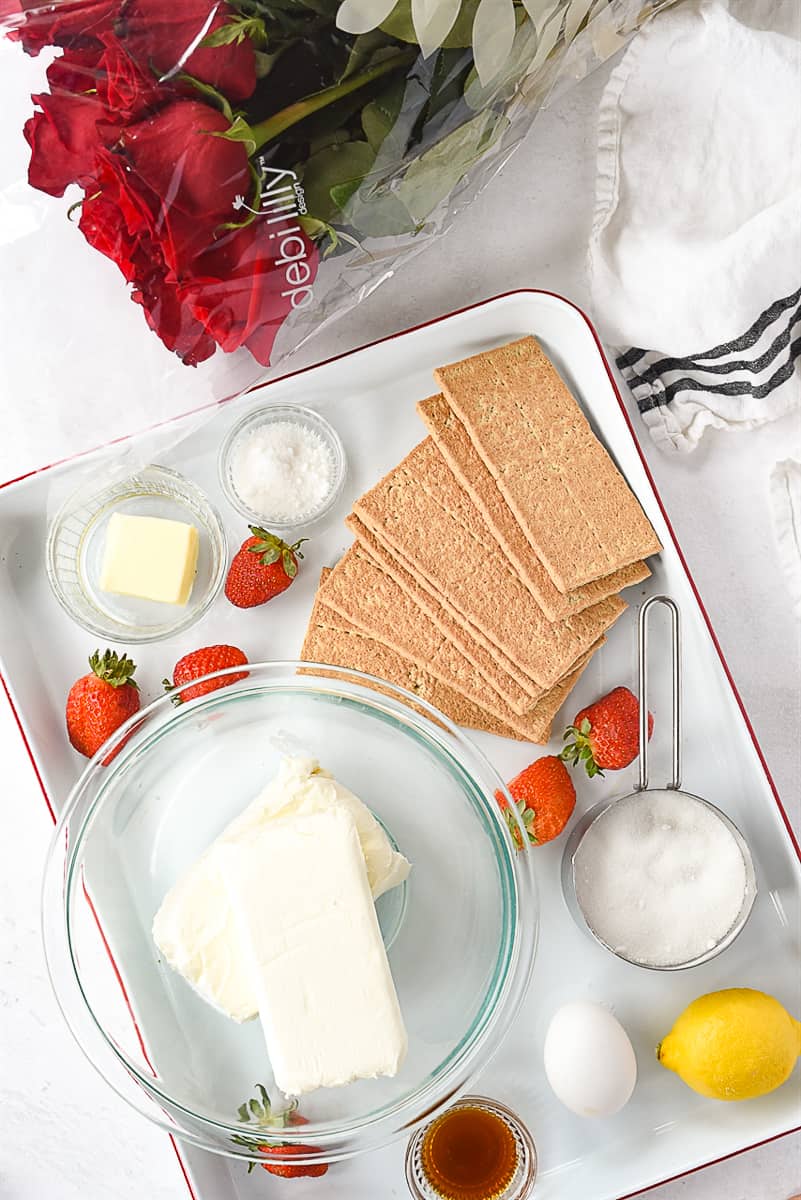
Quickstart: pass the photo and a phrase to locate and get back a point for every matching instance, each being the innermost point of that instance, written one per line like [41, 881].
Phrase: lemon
[732, 1045]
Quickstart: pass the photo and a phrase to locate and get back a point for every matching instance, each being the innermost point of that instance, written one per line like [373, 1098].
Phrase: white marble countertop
[65, 1135]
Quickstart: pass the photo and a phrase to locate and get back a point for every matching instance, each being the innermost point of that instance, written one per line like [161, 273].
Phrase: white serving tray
[369, 396]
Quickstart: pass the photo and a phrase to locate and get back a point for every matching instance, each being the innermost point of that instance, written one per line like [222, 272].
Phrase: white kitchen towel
[785, 499]
[695, 252]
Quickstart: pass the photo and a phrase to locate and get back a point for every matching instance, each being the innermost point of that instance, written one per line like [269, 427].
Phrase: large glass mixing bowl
[461, 933]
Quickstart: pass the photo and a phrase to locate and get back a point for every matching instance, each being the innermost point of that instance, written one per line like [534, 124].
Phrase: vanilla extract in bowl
[477, 1150]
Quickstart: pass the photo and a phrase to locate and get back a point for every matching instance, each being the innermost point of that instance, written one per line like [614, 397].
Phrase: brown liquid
[469, 1154]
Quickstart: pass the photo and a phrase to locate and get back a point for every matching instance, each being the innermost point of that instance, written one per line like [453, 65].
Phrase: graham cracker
[366, 596]
[454, 444]
[362, 593]
[331, 639]
[422, 513]
[573, 505]
[520, 697]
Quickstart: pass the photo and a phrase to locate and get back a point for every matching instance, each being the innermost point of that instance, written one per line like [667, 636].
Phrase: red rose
[157, 207]
[92, 92]
[168, 37]
[125, 88]
[63, 23]
[235, 288]
[186, 178]
[139, 257]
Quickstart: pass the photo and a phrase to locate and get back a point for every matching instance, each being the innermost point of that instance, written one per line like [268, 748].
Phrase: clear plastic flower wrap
[246, 171]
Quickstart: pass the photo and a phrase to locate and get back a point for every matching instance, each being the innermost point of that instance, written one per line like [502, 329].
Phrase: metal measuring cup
[590, 818]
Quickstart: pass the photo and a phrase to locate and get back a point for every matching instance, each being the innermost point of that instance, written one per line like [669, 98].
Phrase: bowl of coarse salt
[282, 466]
[661, 878]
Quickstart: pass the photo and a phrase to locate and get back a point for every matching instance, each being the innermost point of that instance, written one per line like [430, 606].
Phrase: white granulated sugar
[283, 470]
[660, 878]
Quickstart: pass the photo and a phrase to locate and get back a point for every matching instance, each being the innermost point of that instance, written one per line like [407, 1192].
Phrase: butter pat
[325, 993]
[149, 557]
[194, 928]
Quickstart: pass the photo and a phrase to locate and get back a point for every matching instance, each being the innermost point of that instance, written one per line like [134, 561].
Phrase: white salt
[283, 470]
[660, 878]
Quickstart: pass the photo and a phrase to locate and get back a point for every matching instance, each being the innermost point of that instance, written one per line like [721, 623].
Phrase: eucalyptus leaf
[493, 37]
[399, 24]
[578, 10]
[517, 65]
[433, 20]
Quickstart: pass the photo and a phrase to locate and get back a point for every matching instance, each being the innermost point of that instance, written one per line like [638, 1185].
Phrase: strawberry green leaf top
[544, 799]
[262, 568]
[112, 668]
[606, 735]
[258, 1112]
[270, 548]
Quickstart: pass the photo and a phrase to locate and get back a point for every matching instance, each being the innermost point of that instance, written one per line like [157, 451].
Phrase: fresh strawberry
[293, 1170]
[606, 734]
[544, 797]
[262, 567]
[99, 702]
[204, 662]
[259, 1113]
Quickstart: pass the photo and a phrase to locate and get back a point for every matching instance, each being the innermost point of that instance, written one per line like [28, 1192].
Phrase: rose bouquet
[244, 160]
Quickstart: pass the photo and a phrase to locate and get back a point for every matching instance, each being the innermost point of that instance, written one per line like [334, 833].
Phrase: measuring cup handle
[642, 658]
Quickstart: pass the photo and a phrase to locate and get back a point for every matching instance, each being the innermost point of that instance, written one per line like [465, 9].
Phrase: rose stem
[266, 130]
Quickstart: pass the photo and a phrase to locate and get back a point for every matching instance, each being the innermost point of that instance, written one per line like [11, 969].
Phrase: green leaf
[340, 168]
[332, 137]
[451, 69]
[368, 49]
[321, 232]
[218, 99]
[265, 62]
[235, 31]
[239, 131]
[381, 114]
[434, 175]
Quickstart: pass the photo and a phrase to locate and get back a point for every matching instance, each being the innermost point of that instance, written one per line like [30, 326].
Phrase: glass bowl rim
[263, 414]
[568, 878]
[216, 528]
[461, 1066]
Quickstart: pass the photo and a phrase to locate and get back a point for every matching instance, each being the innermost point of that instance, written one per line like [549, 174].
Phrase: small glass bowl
[270, 414]
[76, 541]
[519, 1187]
[577, 835]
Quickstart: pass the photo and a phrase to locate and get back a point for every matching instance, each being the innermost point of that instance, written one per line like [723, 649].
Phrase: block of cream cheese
[149, 557]
[325, 993]
[194, 927]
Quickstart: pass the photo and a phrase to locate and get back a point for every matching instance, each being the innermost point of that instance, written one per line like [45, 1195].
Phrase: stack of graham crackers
[488, 564]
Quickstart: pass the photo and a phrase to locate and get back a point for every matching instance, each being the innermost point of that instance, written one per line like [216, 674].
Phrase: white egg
[589, 1060]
